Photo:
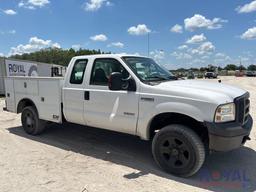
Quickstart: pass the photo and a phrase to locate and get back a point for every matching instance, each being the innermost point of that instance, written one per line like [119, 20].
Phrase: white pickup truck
[184, 119]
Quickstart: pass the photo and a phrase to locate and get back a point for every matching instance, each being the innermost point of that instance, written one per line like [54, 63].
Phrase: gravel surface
[75, 158]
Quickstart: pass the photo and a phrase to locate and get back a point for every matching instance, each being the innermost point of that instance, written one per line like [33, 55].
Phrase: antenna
[148, 45]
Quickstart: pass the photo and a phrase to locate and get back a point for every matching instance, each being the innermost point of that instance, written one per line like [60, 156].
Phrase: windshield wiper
[157, 77]
[161, 78]
[172, 78]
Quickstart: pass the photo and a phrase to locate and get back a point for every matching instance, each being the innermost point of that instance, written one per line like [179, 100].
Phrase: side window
[78, 71]
[102, 69]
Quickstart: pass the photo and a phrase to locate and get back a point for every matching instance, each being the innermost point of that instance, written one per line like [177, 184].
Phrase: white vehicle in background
[211, 75]
[134, 95]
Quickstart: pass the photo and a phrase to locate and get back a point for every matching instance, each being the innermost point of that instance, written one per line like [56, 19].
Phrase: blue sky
[182, 33]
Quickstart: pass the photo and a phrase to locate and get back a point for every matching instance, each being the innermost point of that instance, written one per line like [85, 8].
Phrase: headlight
[225, 113]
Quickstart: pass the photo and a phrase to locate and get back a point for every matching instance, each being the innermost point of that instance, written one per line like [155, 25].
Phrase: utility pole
[148, 45]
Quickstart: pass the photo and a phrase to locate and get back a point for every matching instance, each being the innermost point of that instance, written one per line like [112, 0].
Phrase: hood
[203, 90]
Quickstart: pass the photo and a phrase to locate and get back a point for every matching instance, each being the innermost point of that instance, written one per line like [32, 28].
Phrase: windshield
[147, 69]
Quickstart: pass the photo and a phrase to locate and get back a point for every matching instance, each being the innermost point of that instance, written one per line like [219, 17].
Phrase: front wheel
[178, 150]
[31, 122]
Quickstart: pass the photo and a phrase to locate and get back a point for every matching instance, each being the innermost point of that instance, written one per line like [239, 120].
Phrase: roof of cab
[105, 55]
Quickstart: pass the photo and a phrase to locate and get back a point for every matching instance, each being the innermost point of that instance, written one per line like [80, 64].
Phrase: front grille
[242, 108]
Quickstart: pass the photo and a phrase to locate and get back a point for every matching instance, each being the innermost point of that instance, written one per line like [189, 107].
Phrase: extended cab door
[73, 92]
[113, 110]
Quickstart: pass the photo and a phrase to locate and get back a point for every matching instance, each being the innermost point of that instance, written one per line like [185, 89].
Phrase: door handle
[86, 95]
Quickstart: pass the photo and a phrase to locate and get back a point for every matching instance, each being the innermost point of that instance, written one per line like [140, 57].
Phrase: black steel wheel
[30, 121]
[178, 150]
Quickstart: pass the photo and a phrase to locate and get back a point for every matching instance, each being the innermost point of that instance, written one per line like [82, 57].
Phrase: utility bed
[46, 92]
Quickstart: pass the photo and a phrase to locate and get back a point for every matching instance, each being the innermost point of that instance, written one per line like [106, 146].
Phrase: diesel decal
[130, 114]
[149, 99]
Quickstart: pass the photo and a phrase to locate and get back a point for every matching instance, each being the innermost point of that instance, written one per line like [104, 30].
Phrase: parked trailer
[14, 67]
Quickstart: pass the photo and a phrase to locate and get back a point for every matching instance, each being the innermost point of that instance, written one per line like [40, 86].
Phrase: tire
[31, 122]
[178, 150]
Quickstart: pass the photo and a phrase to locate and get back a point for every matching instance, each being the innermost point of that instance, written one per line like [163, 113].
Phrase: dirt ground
[74, 158]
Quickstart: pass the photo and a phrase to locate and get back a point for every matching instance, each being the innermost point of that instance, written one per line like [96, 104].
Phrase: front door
[113, 110]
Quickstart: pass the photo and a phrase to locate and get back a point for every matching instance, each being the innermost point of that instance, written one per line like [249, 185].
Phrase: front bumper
[228, 136]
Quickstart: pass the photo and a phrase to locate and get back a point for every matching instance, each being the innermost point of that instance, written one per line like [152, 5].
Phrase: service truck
[15, 67]
[185, 120]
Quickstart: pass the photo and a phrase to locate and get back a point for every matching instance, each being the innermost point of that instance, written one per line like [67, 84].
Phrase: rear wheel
[31, 122]
[178, 150]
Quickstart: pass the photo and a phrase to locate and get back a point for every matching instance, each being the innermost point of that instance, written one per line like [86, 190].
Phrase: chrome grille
[246, 110]
[242, 108]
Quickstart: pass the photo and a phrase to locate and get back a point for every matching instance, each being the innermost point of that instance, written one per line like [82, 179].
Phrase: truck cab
[183, 119]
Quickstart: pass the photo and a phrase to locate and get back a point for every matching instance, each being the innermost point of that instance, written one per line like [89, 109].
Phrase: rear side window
[77, 75]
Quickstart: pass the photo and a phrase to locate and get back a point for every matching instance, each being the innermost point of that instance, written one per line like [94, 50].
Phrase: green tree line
[56, 55]
[229, 67]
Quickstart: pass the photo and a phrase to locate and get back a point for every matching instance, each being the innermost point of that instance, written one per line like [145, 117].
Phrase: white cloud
[76, 46]
[224, 60]
[56, 45]
[40, 42]
[187, 56]
[250, 34]
[1, 55]
[108, 3]
[94, 5]
[34, 44]
[199, 62]
[205, 57]
[247, 8]
[116, 44]
[180, 56]
[177, 29]
[207, 47]
[195, 51]
[220, 55]
[196, 39]
[199, 21]
[137, 54]
[12, 32]
[9, 12]
[26, 5]
[182, 47]
[100, 37]
[157, 55]
[141, 29]
[33, 4]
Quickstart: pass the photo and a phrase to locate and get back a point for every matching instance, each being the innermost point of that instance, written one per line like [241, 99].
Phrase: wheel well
[164, 119]
[24, 103]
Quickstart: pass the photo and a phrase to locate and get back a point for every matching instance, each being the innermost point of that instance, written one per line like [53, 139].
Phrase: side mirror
[115, 81]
